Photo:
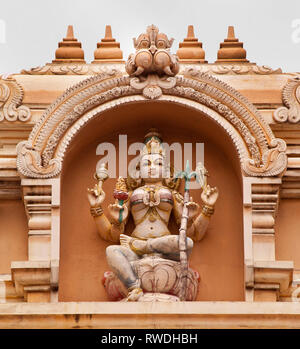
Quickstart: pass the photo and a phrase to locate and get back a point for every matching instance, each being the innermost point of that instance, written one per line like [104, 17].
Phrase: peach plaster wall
[13, 234]
[287, 231]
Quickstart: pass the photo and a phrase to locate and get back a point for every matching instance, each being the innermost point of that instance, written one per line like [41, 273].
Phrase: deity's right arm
[103, 225]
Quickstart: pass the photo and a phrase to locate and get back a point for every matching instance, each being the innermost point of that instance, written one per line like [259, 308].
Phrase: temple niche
[107, 246]
[206, 257]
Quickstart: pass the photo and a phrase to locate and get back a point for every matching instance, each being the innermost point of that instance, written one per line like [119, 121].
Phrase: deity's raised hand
[193, 208]
[95, 198]
[96, 195]
[209, 195]
[114, 211]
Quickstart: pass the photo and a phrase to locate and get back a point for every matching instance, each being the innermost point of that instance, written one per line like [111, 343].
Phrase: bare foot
[125, 240]
[136, 245]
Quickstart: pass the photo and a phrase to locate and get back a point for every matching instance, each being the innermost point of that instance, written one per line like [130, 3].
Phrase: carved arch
[261, 154]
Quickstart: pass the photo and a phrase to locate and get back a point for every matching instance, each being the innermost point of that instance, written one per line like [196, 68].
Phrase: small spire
[70, 32]
[190, 50]
[69, 50]
[231, 50]
[108, 33]
[230, 33]
[108, 50]
[190, 33]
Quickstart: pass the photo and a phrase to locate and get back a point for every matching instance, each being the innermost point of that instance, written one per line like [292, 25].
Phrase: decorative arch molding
[261, 154]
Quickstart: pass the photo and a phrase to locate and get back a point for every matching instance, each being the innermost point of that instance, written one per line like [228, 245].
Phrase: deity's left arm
[177, 212]
[200, 224]
[197, 223]
[198, 227]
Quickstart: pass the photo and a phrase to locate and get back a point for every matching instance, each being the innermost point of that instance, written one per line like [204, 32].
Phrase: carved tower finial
[69, 50]
[70, 33]
[108, 33]
[230, 33]
[108, 50]
[231, 50]
[190, 50]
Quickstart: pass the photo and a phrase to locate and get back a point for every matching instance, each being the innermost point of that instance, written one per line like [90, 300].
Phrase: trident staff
[200, 176]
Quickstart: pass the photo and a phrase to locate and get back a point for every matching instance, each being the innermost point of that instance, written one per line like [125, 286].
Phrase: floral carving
[152, 66]
[152, 55]
[11, 96]
[74, 69]
[291, 100]
[30, 162]
[96, 68]
[151, 86]
[274, 160]
[233, 69]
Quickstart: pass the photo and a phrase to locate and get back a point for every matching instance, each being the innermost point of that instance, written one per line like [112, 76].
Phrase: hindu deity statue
[146, 265]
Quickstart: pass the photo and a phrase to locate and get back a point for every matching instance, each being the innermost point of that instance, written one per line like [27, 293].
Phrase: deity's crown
[153, 143]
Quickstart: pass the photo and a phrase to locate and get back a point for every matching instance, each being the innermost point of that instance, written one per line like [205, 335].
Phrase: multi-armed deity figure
[146, 264]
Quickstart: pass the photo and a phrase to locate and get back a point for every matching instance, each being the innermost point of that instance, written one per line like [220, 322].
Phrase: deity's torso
[151, 206]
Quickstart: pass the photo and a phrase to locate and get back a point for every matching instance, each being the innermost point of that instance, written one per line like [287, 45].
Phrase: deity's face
[151, 167]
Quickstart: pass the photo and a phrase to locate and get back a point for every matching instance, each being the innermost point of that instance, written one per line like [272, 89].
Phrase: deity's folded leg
[119, 258]
[169, 246]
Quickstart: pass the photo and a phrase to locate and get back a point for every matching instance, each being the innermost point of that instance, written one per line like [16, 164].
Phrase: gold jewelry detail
[152, 212]
[117, 224]
[96, 211]
[153, 145]
[150, 235]
[178, 197]
[153, 216]
[208, 211]
[137, 290]
[134, 292]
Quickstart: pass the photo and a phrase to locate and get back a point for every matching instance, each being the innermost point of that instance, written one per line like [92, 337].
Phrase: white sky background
[31, 29]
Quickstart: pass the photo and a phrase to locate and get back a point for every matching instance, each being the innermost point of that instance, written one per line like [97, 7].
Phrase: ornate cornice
[291, 99]
[11, 97]
[234, 69]
[96, 68]
[74, 69]
[152, 75]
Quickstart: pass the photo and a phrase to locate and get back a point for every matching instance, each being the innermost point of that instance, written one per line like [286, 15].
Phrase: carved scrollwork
[95, 68]
[274, 161]
[74, 69]
[243, 69]
[152, 85]
[291, 100]
[29, 162]
[232, 69]
[11, 96]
